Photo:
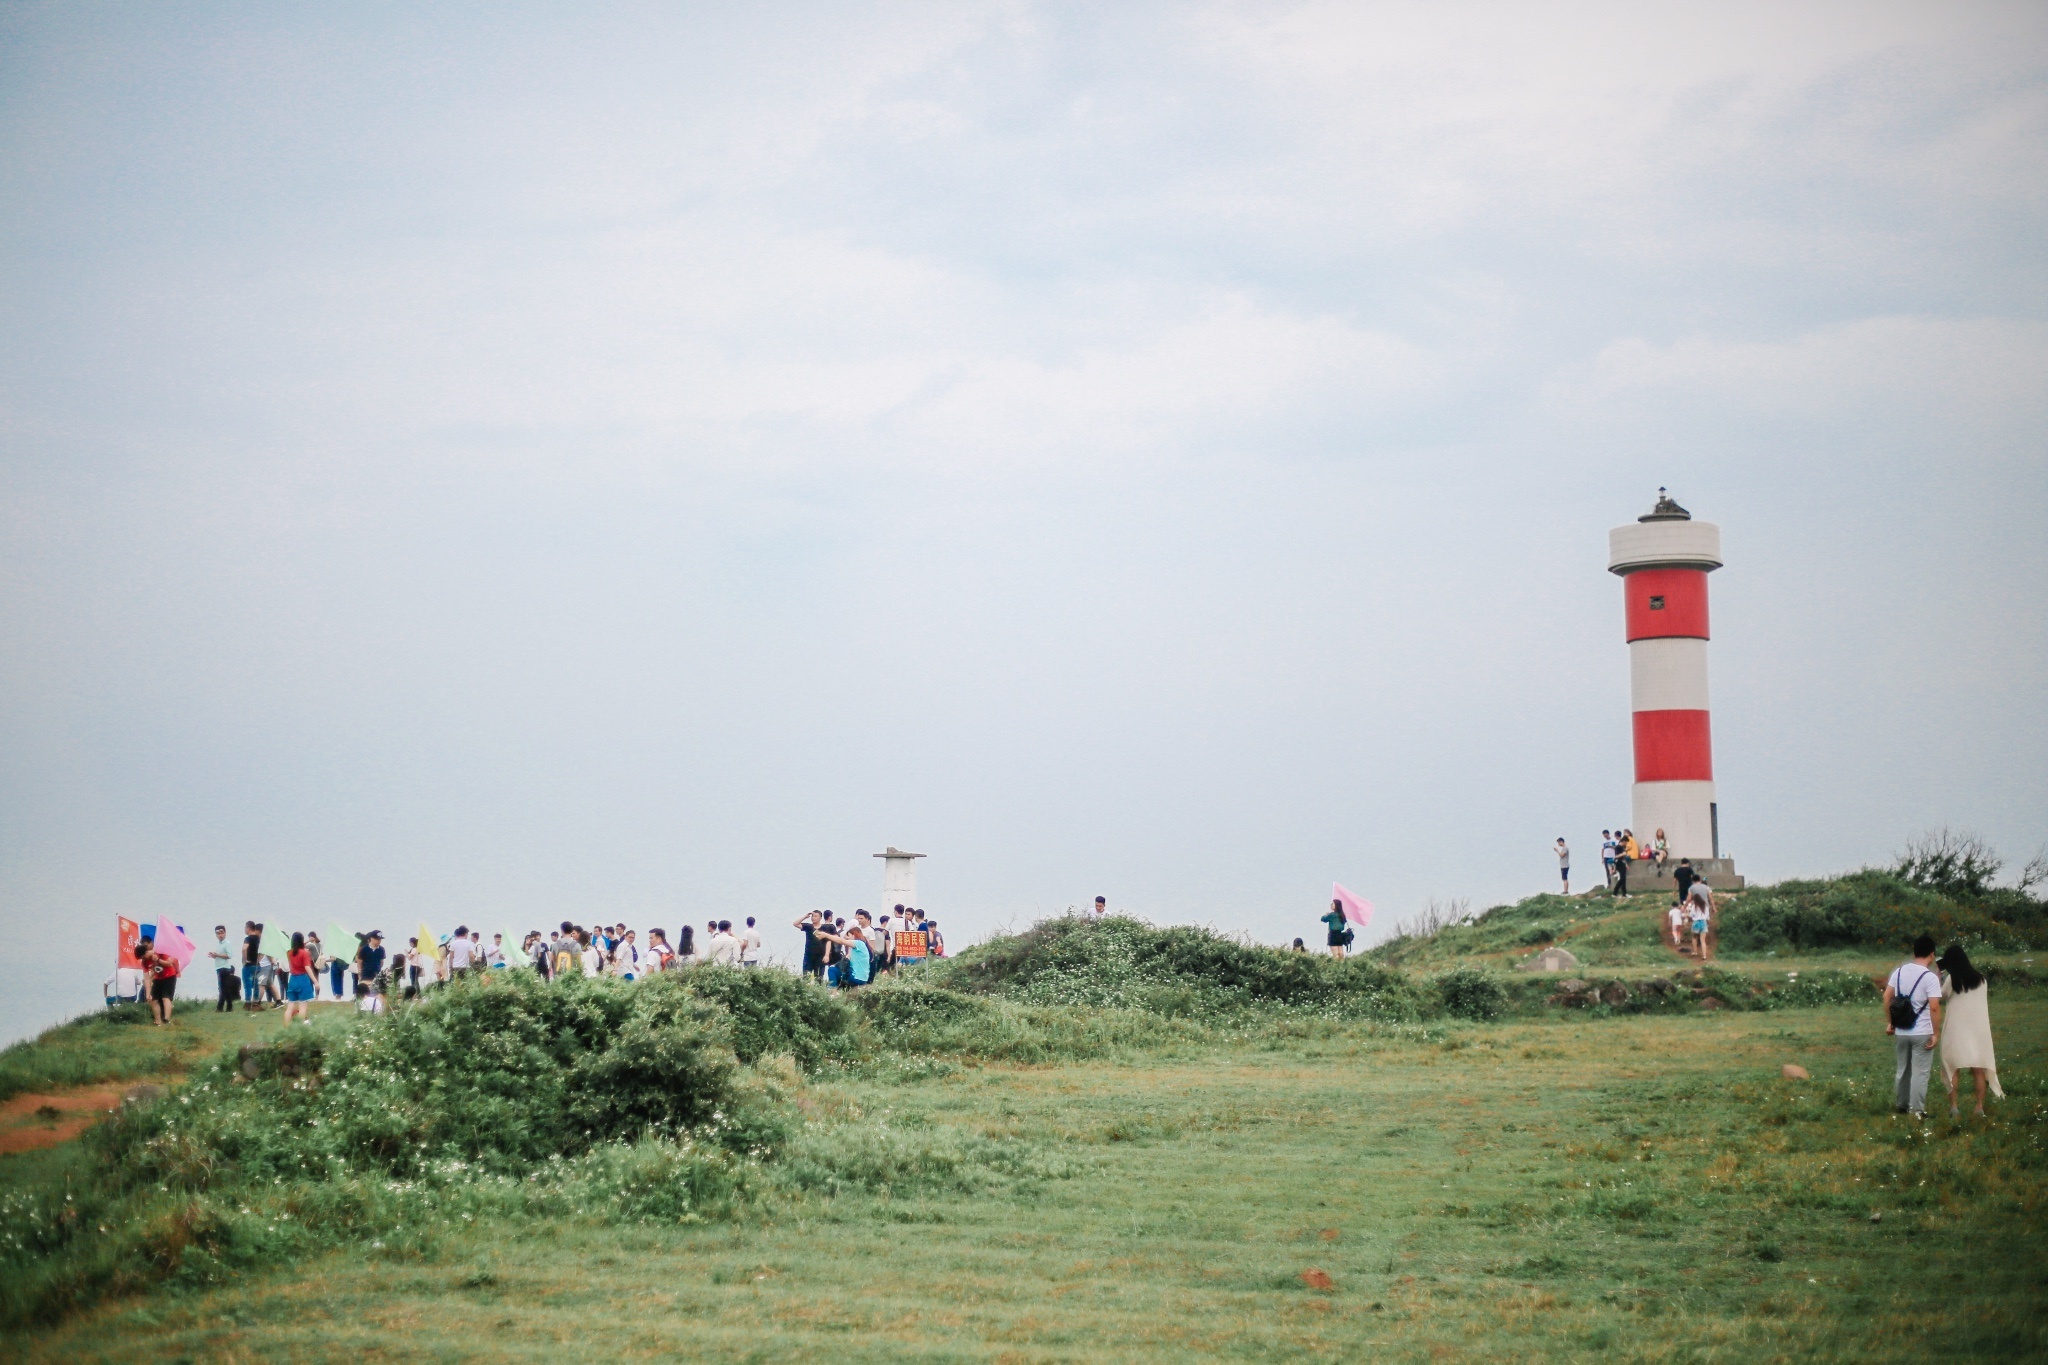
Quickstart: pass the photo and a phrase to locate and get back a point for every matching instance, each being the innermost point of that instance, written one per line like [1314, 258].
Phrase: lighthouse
[1663, 560]
[899, 877]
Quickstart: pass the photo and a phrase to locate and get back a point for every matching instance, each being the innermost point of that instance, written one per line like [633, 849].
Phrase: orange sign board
[912, 943]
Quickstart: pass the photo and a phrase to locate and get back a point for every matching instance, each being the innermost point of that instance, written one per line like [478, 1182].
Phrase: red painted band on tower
[1673, 746]
[1666, 602]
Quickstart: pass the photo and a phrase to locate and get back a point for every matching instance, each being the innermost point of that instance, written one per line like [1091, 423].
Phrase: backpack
[1904, 1013]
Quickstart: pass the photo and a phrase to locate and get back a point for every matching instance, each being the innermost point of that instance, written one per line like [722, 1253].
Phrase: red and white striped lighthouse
[1664, 559]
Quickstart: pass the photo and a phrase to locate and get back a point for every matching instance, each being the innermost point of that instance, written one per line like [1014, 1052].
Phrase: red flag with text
[130, 933]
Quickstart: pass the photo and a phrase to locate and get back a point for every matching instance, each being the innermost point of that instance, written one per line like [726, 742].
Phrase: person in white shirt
[459, 953]
[1677, 918]
[592, 956]
[494, 956]
[1564, 864]
[659, 954]
[723, 947]
[1915, 1024]
[750, 944]
[227, 969]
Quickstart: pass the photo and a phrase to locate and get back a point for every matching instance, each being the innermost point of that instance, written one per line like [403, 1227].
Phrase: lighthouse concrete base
[1719, 873]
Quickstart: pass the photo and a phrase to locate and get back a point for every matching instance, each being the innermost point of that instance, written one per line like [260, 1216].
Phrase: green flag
[276, 942]
[342, 943]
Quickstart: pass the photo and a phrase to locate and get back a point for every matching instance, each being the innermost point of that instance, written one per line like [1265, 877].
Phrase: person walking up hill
[1966, 1031]
[1912, 1011]
[1699, 904]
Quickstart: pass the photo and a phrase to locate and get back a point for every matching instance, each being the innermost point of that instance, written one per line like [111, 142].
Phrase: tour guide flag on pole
[428, 944]
[131, 943]
[1358, 912]
[171, 942]
[276, 944]
[341, 943]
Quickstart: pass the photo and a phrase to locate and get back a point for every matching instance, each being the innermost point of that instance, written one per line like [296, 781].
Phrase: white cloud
[1983, 368]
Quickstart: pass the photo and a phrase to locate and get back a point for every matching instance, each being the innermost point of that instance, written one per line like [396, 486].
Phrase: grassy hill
[1865, 917]
[1094, 1137]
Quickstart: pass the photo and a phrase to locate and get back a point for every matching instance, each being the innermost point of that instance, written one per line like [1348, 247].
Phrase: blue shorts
[1699, 926]
[299, 987]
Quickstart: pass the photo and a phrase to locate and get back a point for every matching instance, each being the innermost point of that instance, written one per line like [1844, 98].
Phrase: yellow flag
[427, 943]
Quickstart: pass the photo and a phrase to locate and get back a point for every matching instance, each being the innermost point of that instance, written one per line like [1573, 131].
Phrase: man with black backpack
[1912, 1015]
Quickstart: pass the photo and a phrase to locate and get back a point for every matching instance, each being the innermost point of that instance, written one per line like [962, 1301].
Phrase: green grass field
[1554, 1187]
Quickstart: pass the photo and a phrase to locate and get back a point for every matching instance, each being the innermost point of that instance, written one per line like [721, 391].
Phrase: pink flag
[171, 942]
[1359, 912]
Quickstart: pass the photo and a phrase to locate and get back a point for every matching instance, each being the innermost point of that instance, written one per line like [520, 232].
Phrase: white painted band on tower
[1667, 675]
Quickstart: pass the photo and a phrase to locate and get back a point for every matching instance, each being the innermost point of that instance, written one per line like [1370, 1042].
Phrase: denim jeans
[248, 981]
[1916, 1060]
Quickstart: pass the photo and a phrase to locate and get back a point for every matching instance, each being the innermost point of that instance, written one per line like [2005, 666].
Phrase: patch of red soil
[25, 1128]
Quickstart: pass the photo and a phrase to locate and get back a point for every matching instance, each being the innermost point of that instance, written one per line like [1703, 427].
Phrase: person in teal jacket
[1341, 932]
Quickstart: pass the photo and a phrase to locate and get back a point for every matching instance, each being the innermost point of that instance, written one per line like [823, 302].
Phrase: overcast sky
[607, 463]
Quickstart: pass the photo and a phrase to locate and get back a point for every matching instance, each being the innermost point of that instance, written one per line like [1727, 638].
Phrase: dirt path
[37, 1120]
[1713, 941]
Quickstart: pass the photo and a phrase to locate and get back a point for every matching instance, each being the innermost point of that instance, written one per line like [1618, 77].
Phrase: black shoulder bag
[1904, 1012]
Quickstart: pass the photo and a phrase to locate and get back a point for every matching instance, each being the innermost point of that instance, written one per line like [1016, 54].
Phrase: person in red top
[162, 970]
[298, 993]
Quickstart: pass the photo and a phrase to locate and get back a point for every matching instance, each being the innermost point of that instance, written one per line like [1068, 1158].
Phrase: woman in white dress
[1966, 1027]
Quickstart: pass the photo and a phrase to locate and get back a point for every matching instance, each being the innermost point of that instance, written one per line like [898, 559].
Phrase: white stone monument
[899, 879]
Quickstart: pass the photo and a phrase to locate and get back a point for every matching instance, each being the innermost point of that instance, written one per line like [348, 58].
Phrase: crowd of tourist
[262, 968]
[1923, 1005]
[1618, 849]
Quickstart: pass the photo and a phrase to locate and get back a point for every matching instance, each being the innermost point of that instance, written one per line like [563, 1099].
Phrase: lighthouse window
[1656, 604]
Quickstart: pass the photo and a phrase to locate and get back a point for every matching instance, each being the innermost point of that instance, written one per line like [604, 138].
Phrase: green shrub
[499, 1072]
[1469, 994]
[912, 1018]
[775, 1013]
[872, 1158]
[1875, 909]
[1124, 963]
[655, 1181]
[505, 1093]
[1535, 934]
[1955, 863]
